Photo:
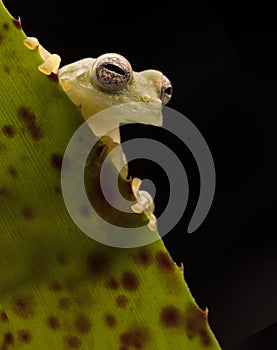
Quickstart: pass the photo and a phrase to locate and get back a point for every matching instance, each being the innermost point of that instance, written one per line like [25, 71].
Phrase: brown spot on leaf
[6, 26]
[3, 316]
[53, 322]
[29, 119]
[129, 281]
[27, 213]
[136, 337]
[3, 191]
[24, 336]
[6, 69]
[170, 316]
[23, 306]
[196, 324]
[8, 340]
[72, 342]
[205, 338]
[57, 189]
[121, 301]
[56, 161]
[164, 262]
[110, 320]
[17, 23]
[62, 259]
[82, 324]
[143, 257]
[13, 172]
[55, 286]
[64, 303]
[112, 283]
[97, 263]
[8, 130]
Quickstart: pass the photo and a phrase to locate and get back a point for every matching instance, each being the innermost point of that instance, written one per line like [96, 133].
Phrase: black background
[222, 61]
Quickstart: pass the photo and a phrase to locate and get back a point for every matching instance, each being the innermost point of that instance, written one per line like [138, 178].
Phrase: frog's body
[96, 84]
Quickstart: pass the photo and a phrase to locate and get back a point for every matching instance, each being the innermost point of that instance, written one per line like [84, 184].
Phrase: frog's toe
[144, 204]
[50, 65]
[31, 43]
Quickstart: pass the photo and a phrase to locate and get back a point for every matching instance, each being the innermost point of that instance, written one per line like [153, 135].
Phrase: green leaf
[59, 288]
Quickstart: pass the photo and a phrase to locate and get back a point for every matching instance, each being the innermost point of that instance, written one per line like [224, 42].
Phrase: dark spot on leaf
[129, 281]
[164, 262]
[110, 320]
[23, 306]
[24, 336]
[97, 263]
[27, 213]
[144, 257]
[72, 342]
[6, 26]
[53, 322]
[112, 283]
[17, 23]
[8, 130]
[205, 338]
[8, 339]
[6, 69]
[136, 337]
[13, 172]
[57, 189]
[3, 316]
[3, 191]
[56, 161]
[62, 259]
[29, 119]
[170, 316]
[82, 323]
[55, 286]
[64, 303]
[196, 324]
[121, 301]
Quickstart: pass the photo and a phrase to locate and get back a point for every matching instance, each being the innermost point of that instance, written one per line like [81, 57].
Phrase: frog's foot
[144, 204]
[51, 61]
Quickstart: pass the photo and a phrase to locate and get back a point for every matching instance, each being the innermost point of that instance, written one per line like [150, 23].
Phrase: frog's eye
[166, 91]
[111, 71]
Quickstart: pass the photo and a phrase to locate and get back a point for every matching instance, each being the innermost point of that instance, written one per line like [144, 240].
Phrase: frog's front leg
[51, 61]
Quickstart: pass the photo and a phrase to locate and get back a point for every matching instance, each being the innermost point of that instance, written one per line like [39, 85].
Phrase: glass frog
[94, 84]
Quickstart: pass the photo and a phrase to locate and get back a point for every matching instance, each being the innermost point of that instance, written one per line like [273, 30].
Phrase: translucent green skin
[144, 86]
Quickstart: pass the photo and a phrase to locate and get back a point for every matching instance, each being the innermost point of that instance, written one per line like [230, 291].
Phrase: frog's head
[96, 84]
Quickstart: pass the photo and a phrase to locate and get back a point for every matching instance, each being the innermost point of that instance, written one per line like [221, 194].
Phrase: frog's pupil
[168, 91]
[114, 68]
